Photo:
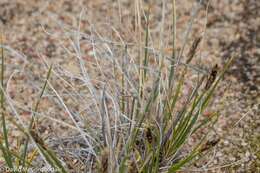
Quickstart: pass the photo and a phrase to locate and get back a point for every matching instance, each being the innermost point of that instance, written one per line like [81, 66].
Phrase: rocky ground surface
[37, 30]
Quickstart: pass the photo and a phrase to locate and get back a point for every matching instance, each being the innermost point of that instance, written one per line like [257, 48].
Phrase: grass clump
[144, 114]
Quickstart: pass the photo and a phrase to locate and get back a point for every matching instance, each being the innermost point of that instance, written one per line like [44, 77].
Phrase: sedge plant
[145, 114]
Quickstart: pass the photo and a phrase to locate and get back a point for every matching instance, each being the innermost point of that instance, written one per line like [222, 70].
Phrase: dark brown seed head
[149, 135]
[212, 76]
[210, 144]
[37, 138]
[104, 160]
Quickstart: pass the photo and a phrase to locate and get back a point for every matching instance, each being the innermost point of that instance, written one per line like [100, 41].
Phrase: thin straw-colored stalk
[173, 42]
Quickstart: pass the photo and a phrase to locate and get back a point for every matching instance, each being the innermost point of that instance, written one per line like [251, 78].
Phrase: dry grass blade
[193, 49]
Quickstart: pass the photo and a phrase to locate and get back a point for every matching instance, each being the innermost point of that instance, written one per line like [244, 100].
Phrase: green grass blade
[134, 134]
[57, 162]
[24, 153]
[205, 122]
[7, 154]
[176, 167]
[145, 63]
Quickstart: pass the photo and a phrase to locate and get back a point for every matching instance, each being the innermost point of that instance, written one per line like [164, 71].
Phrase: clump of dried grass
[138, 115]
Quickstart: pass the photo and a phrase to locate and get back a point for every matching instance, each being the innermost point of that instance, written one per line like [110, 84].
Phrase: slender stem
[33, 116]
[173, 42]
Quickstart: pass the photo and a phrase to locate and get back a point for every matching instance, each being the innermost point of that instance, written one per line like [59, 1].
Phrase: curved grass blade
[24, 153]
